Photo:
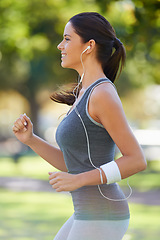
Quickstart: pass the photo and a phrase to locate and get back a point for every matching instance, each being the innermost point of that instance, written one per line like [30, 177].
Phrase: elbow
[143, 166]
[142, 163]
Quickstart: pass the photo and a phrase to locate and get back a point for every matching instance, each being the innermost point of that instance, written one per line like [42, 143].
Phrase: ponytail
[113, 68]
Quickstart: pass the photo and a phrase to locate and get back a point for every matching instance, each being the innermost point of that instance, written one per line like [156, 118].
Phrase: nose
[60, 46]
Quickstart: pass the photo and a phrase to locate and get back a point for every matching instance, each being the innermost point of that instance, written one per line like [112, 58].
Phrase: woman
[88, 133]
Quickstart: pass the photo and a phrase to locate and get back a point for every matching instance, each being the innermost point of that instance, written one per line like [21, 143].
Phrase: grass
[32, 216]
[144, 222]
[38, 216]
[28, 166]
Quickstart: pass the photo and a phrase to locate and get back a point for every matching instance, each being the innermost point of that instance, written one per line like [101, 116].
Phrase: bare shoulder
[105, 104]
[106, 95]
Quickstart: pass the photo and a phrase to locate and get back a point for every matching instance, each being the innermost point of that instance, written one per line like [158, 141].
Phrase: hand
[62, 181]
[23, 129]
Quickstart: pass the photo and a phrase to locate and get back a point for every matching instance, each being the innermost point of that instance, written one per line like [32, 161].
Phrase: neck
[91, 74]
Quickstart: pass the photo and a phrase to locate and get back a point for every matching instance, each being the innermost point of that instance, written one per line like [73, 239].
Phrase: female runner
[88, 133]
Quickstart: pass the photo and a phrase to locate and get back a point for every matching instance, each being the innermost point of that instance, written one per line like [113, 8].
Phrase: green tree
[137, 24]
[29, 33]
[31, 29]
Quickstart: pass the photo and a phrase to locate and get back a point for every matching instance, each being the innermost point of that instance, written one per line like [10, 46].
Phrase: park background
[30, 71]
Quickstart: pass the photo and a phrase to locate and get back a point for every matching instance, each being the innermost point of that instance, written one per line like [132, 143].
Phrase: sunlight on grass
[32, 216]
[145, 215]
[143, 181]
[28, 166]
[144, 222]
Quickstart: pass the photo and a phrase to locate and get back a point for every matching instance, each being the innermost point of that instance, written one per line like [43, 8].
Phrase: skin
[104, 107]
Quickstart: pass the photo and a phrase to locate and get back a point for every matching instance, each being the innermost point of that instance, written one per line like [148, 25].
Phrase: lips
[63, 55]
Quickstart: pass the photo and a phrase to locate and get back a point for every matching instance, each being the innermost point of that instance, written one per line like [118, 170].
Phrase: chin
[65, 65]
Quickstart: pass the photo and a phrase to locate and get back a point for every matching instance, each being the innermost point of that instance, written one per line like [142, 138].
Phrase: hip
[89, 204]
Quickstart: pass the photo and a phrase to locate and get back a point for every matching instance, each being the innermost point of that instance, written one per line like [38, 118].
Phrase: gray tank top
[71, 138]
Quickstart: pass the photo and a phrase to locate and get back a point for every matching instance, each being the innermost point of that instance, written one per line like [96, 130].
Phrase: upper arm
[105, 107]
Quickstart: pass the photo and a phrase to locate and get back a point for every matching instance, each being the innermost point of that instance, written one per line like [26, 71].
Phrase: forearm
[127, 165]
[91, 178]
[51, 154]
[69, 182]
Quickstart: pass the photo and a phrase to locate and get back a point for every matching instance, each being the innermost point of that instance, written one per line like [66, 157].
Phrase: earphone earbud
[86, 49]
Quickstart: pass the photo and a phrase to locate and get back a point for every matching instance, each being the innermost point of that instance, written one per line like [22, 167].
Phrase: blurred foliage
[137, 24]
[30, 30]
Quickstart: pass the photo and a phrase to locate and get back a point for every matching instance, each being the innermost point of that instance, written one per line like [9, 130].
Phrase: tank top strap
[88, 91]
[99, 81]
[95, 84]
[87, 97]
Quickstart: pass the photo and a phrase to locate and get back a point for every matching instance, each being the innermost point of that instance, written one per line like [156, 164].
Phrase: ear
[92, 45]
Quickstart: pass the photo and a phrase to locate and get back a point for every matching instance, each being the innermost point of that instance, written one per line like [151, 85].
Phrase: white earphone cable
[87, 138]
[89, 156]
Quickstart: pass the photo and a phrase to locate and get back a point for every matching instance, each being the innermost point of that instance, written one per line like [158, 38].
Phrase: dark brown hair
[110, 51]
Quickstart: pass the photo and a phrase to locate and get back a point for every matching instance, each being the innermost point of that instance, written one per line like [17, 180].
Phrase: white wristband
[112, 172]
[101, 177]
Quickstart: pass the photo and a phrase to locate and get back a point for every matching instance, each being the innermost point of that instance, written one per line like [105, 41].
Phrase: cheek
[72, 49]
[72, 54]
[72, 58]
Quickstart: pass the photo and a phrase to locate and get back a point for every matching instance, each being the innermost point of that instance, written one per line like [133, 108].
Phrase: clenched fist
[23, 129]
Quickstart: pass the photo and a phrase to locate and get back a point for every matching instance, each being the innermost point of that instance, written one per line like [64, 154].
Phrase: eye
[67, 39]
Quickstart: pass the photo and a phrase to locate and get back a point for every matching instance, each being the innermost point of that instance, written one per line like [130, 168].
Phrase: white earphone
[86, 49]
[82, 63]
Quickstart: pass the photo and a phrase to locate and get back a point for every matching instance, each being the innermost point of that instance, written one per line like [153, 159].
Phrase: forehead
[69, 30]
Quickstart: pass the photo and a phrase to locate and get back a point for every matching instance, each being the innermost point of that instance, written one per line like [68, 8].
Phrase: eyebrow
[66, 35]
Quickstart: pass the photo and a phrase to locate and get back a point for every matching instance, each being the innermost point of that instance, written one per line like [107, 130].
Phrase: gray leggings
[92, 230]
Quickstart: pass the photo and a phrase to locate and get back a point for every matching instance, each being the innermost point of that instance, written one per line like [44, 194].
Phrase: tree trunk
[34, 110]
